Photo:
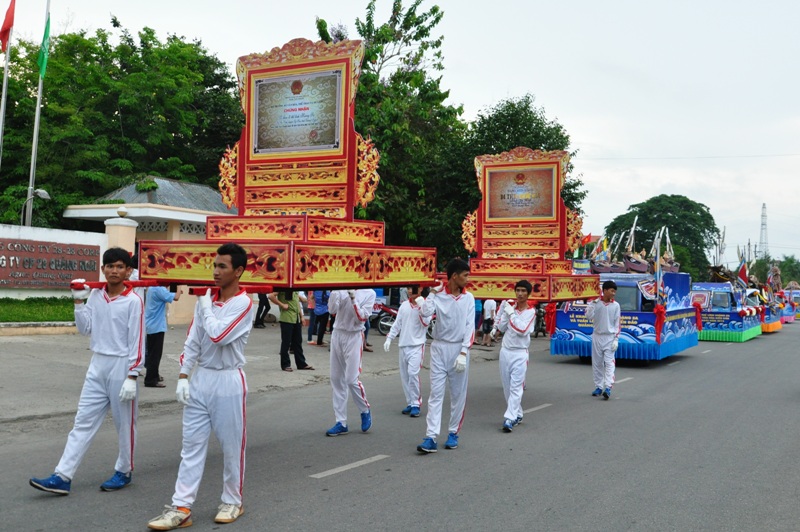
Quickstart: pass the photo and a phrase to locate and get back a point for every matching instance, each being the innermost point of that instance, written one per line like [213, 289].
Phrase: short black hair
[113, 255]
[237, 253]
[456, 266]
[524, 284]
[609, 284]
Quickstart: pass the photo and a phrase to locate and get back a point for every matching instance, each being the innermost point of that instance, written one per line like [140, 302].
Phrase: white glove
[205, 300]
[128, 390]
[493, 333]
[461, 363]
[352, 294]
[438, 288]
[80, 293]
[509, 308]
[615, 345]
[387, 344]
[182, 392]
[419, 301]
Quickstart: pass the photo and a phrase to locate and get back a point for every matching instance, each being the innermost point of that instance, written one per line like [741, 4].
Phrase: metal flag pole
[5, 91]
[32, 180]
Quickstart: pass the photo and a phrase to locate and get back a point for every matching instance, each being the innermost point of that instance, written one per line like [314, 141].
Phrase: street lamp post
[38, 193]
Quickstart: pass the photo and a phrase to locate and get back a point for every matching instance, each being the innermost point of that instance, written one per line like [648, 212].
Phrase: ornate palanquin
[523, 230]
[296, 175]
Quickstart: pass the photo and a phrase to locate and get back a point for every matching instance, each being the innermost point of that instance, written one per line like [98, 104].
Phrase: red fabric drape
[763, 313]
[550, 318]
[697, 314]
[661, 313]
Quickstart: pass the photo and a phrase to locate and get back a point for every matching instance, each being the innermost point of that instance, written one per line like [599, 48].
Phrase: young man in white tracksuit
[411, 326]
[452, 338]
[352, 309]
[114, 317]
[215, 401]
[604, 313]
[516, 323]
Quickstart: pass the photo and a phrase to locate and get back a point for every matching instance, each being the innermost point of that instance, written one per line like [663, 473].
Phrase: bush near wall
[36, 309]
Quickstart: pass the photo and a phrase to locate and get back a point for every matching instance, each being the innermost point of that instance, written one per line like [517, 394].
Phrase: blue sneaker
[116, 482]
[597, 392]
[52, 484]
[406, 410]
[452, 441]
[428, 445]
[336, 430]
[508, 426]
[414, 411]
[517, 421]
[607, 394]
[366, 421]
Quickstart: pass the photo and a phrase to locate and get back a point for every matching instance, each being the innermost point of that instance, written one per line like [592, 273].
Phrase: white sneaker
[228, 513]
[170, 519]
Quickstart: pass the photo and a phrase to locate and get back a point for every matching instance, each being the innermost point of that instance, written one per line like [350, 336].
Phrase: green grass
[36, 309]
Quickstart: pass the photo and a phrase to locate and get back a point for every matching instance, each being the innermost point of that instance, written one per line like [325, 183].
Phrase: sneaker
[597, 392]
[428, 445]
[336, 430]
[517, 421]
[607, 394]
[366, 421]
[414, 411]
[52, 484]
[406, 410]
[452, 441]
[508, 426]
[228, 513]
[118, 481]
[170, 519]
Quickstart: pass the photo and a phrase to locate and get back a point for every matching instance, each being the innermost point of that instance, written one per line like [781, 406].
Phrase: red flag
[8, 23]
[743, 273]
[585, 240]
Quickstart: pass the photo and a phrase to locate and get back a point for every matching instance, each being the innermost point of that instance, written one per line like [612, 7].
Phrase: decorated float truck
[771, 317]
[724, 315]
[787, 307]
[794, 297]
[650, 331]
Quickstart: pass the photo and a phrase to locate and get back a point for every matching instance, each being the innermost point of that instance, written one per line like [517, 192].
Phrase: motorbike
[387, 316]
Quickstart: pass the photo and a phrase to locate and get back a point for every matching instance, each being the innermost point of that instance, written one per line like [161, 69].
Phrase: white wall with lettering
[17, 232]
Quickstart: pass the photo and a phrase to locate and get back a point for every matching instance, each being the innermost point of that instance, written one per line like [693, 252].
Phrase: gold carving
[574, 234]
[296, 195]
[295, 210]
[254, 228]
[356, 232]
[469, 231]
[522, 154]
[367, 177]
[331, 266]
[227, 175]
[292, 177]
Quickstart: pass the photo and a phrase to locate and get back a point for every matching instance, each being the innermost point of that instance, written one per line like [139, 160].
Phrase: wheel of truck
[385, 323]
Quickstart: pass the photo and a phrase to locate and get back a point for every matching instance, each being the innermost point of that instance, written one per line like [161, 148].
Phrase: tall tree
[115, 108]
[691, 228]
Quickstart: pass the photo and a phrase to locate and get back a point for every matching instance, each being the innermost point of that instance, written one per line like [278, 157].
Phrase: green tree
[115, 108]
[691, 227]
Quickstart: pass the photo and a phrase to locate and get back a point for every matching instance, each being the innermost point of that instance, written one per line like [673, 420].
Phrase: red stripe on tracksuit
[224, 333]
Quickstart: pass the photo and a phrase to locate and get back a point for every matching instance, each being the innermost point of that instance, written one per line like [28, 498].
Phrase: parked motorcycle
[539, 325]
[387, 316]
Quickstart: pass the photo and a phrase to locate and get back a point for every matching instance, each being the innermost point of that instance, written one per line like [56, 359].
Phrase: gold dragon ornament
[574, 234]
[367, 177]
[227, 175]
[469, 231]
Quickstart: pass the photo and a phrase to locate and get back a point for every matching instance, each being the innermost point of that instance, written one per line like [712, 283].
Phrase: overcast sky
[697, 98]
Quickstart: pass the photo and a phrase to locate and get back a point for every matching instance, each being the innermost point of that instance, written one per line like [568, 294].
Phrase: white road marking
[535, 408]
[623, 380]
[673, 363]
[349, 466]
[706, 351]
[729, 343]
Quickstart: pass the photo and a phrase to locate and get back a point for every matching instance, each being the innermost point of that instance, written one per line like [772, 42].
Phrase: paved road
[706, 440]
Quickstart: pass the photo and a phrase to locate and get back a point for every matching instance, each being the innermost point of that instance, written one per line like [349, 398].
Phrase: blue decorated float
[655, 324]
[724, 316]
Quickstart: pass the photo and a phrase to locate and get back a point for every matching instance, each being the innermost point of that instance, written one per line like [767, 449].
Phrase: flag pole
[3, 97]
[34, 149]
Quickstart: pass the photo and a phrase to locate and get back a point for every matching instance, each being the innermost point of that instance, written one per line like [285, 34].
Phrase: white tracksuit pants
[443, 357]
[603, 363]
[346, 349]
[513, 368]
[100, 392]
[217, 402]
[411, 358]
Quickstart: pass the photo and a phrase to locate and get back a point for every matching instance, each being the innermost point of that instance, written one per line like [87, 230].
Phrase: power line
[687, 157]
